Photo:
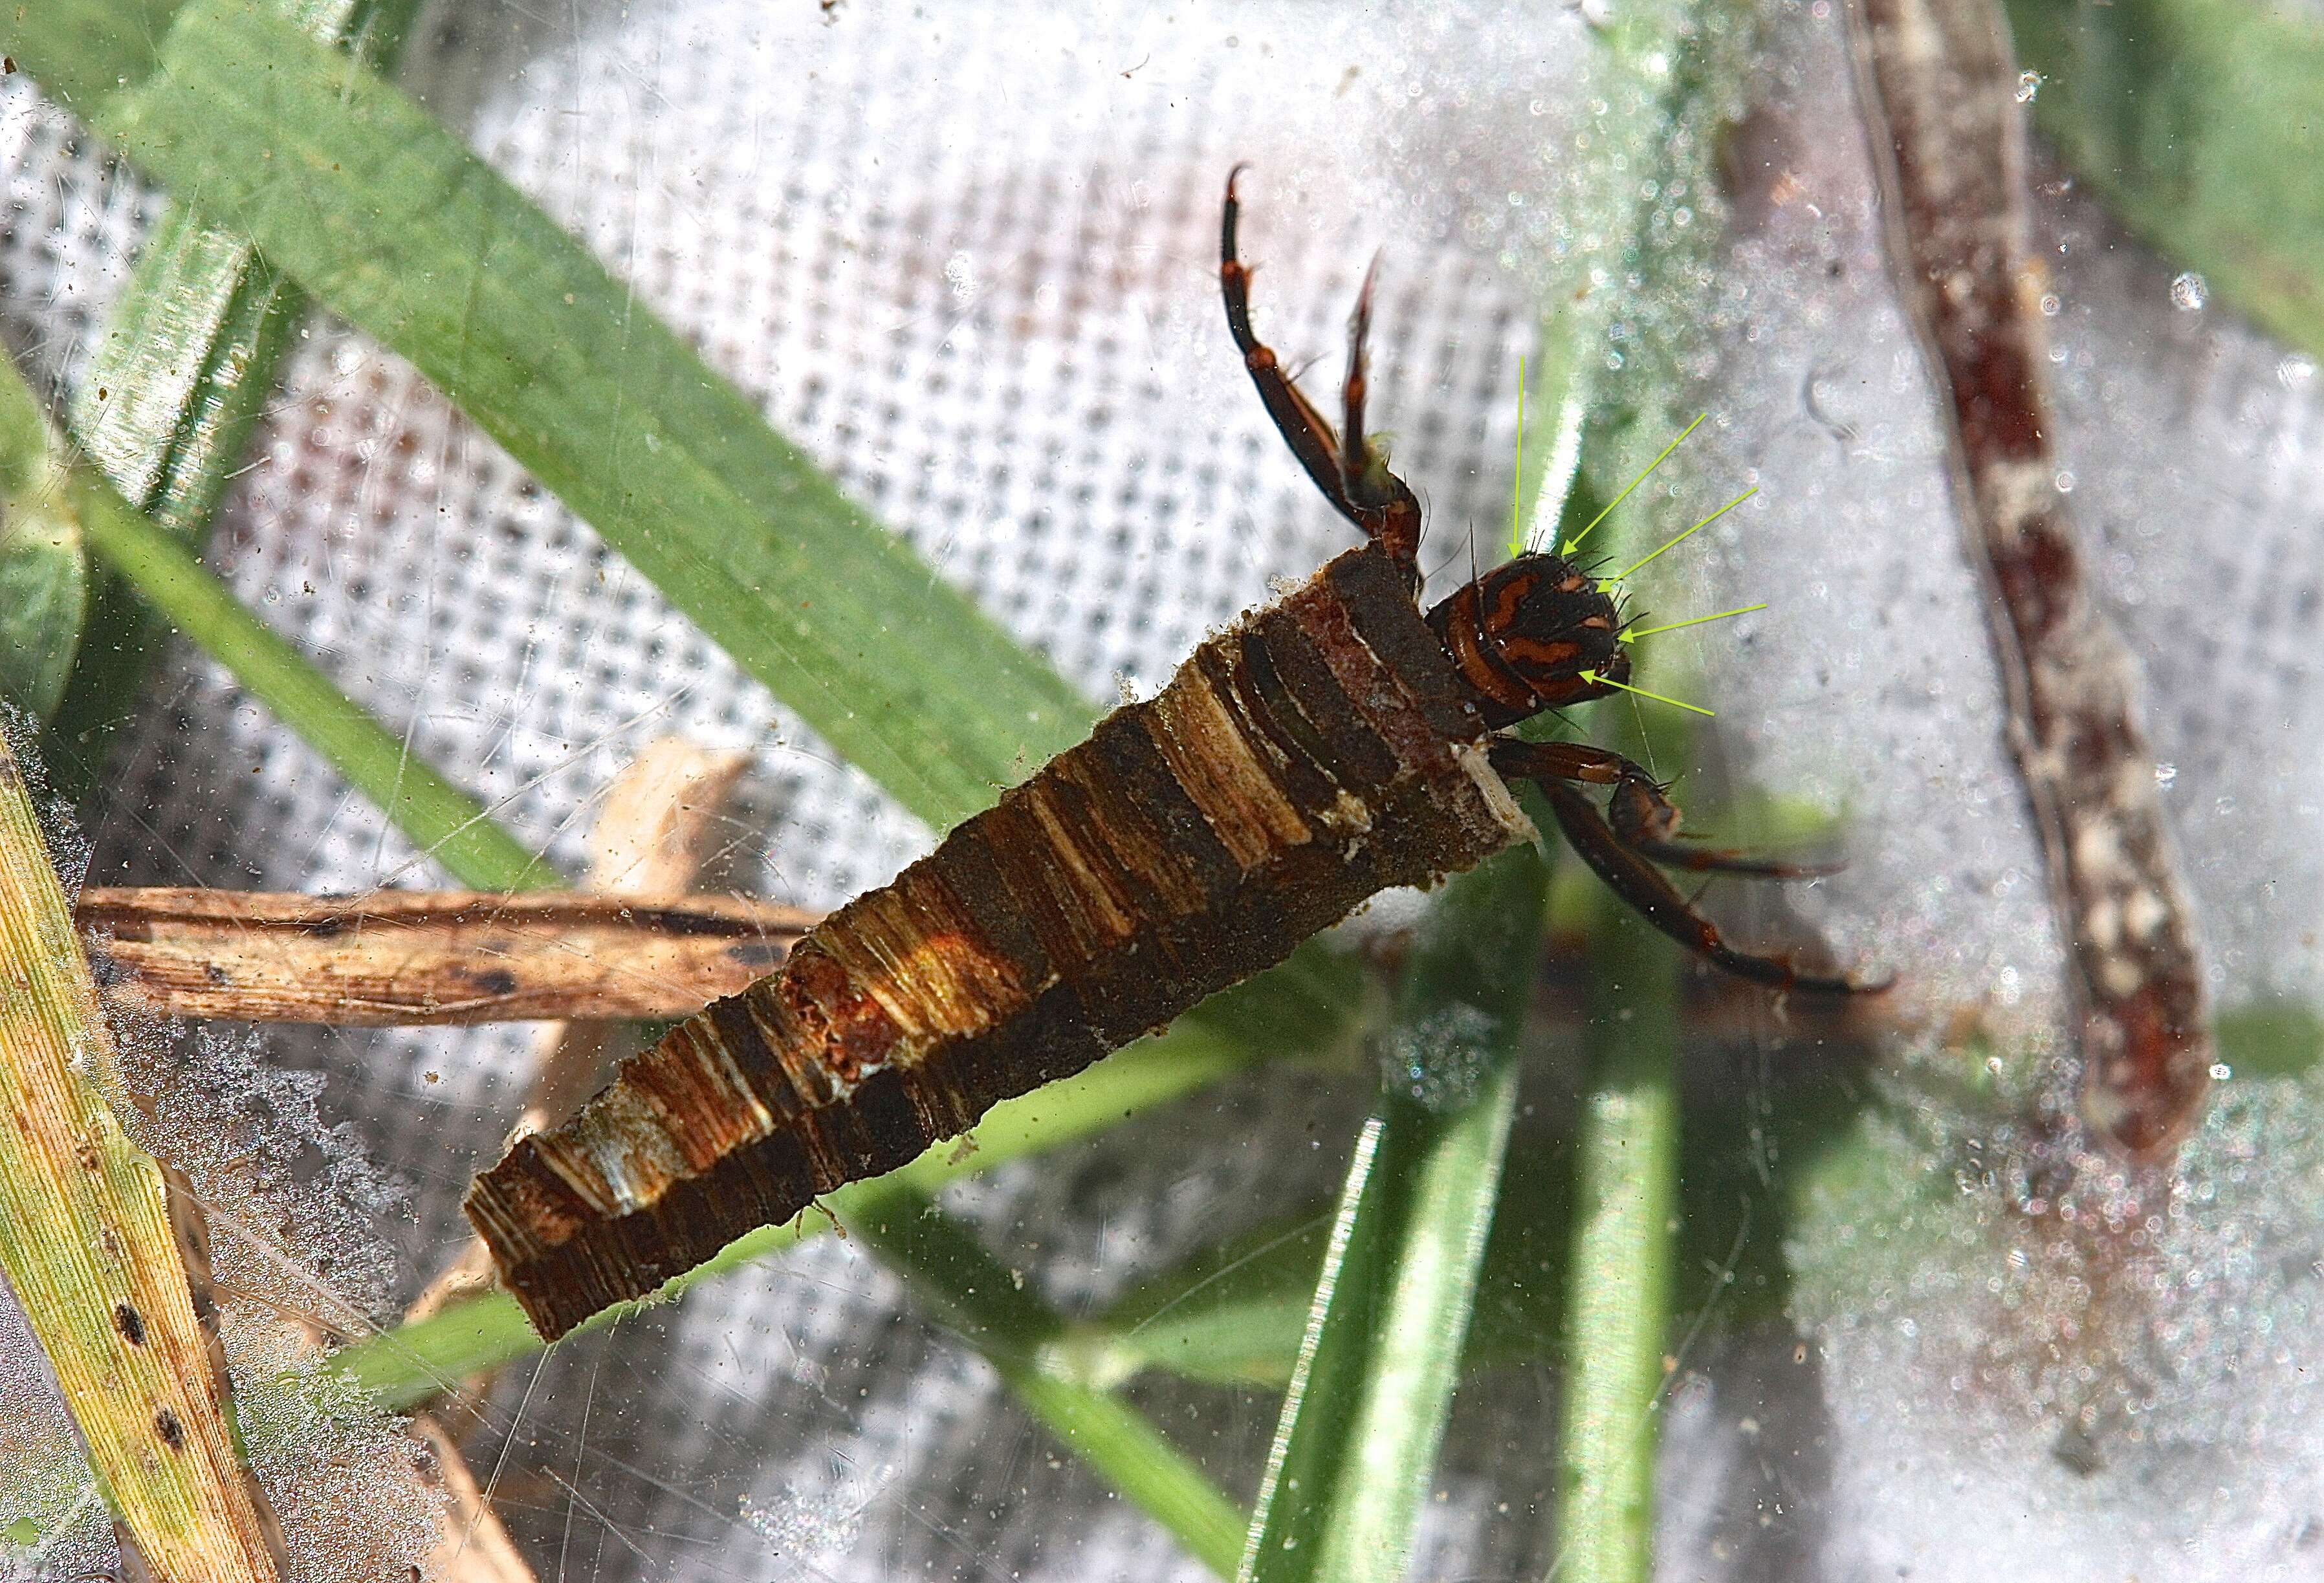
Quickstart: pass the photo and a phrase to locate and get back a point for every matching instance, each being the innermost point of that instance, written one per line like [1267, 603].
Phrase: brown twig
[399, 958]
[1939, 87]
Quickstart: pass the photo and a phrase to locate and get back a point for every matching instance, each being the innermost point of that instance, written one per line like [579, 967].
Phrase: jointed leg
[1643, 819]
[1390, 511]
[1358, 483]
[1627, 865]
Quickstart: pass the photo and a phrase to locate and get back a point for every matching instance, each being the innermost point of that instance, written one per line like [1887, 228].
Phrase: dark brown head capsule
[1530, 635]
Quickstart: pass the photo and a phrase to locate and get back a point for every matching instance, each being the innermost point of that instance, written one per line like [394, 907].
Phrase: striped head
[1525, 634]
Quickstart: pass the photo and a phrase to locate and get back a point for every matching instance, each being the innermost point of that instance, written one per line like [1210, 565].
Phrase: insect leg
[1360, 484]
[1391, 512]
[1629, 868]
[1303, 428]
[1643, 818]
[1649, 893]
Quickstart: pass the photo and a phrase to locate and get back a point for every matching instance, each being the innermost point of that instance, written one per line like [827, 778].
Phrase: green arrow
[1594, 678]
[1628, 637]
[1516, 478]
[1698, 527]
[1574, 543]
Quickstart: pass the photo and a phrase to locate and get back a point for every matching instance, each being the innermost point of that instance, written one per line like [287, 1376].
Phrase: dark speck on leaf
[496, 981]
[131, 1327]
[173, 1433]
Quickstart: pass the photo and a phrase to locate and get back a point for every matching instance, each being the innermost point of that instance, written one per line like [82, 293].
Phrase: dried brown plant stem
[403, 958]
[1939, 84]
[110, 1264]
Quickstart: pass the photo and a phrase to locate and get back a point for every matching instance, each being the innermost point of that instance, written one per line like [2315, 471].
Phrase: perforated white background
[967, 260]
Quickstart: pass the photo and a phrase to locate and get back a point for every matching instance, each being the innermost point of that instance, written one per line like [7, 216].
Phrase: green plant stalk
[1619, 1301]
[950, 1269]
[167, 403]
[2201, 125]
[1666, 77]
[403, 1367]
[43, 573]
[1372, 1386]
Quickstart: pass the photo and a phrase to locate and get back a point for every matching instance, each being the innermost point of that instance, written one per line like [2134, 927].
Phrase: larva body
[1321, 751]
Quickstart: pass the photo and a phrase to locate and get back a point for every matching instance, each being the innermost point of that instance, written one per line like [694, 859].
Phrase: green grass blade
[1669, 75]
[167, 403]
[2201, 125]
[43, 573]
[1370, 1394]
[949, 1269]
[183, 371]
[1619, 1300]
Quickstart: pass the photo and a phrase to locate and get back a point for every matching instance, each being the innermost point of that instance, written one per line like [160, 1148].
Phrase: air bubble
[960, 274]
[2029, 83]
[1439, 1061]
[2189, 292]
[2166, 773]
[806, 1527]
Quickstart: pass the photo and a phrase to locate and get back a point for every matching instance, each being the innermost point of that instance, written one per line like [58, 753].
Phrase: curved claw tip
[1234, 174]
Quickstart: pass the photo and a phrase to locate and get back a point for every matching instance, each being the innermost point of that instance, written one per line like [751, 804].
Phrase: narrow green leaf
[1619, 1300]
[1011, 1328]
[1370, 1394]
[167, 403]
[43, 591]
[164, 411]
[43, 598]
[43, 579]
[2201, 125]
[1665, 75]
